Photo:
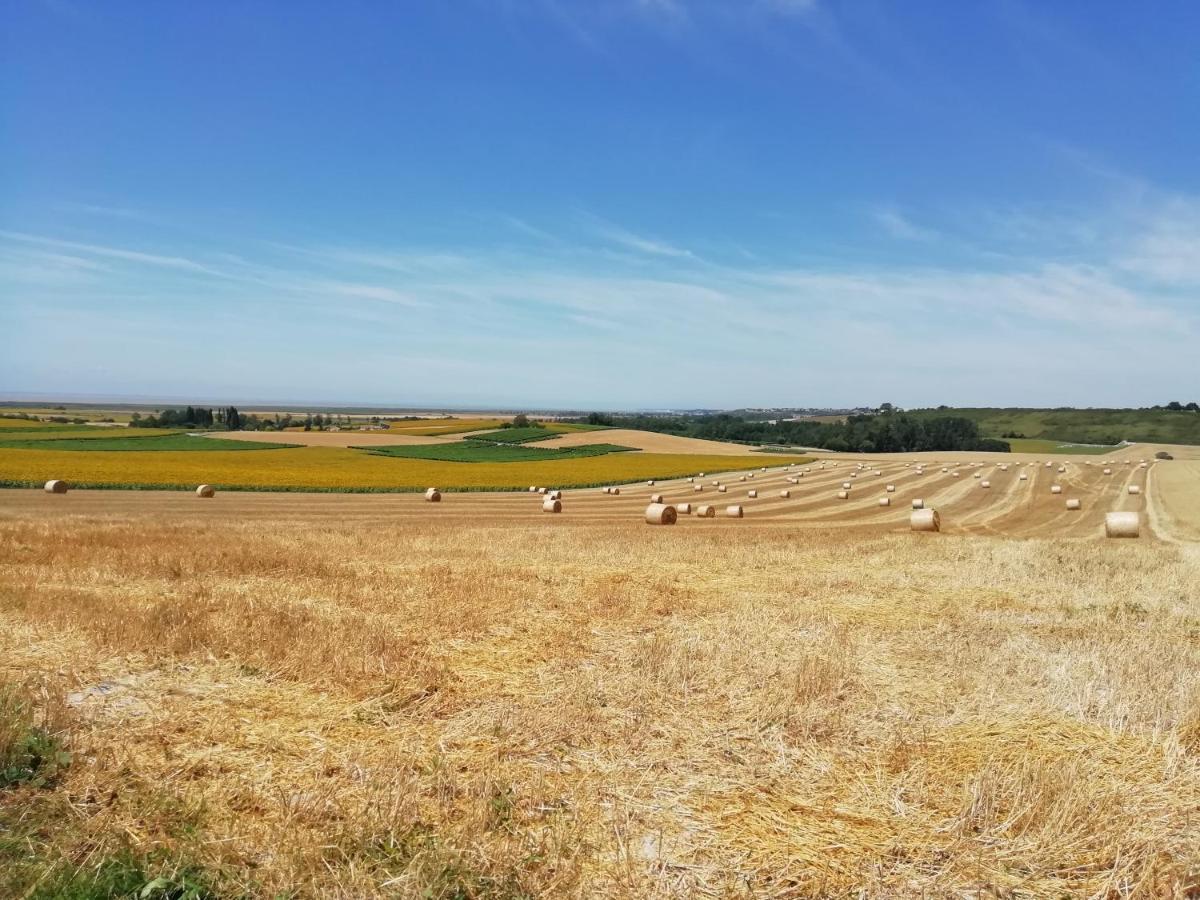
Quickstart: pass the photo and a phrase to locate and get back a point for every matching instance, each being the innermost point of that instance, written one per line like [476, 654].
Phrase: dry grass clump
[427, 709]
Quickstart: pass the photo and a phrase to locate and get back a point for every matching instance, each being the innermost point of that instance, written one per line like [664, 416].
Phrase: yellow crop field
[339, 468]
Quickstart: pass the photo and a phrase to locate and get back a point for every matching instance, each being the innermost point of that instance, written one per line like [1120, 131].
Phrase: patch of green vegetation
[126, 876]
[516, 435]
[176, 441]
[473, 451]
[31, 752]
[1082, 426]
[1025, 445]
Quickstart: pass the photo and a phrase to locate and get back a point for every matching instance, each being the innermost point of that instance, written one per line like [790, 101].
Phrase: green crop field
[492, 451]
[159, 442]
[1083, 426]
[516, 435]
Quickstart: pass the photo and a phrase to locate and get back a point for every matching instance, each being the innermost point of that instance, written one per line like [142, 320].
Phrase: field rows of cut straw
[435, 708]
[341, 469]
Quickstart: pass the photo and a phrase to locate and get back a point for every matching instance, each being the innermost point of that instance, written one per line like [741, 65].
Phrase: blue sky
[611, 204]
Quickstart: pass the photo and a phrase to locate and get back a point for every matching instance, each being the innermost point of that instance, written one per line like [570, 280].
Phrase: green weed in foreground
[125, 877]
[31, 749]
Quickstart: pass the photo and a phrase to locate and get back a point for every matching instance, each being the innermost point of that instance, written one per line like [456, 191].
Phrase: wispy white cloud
[637, 242]
[1168, 250]
[362, 291]
[134, 256]
[896, 224]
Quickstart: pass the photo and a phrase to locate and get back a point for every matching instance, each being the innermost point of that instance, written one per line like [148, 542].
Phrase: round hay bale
[1056, 488]
[650, 483]
[615, 491]
[706, 512]
[1023, 477]
[925, 520]
[661, 514]
[1134, 489]
[734, 512]
[701, 475]
[721, 489]
[541, 490]
[845, 485]
[1074, 504]
[885, 501]
[433, 495]
[56, 486]
[533, 489]
[206, 490]
[1049, 465]
[785, 494]
[606, 490]
[1122, 525]
[656, 498]
[697, 488]
[978, 475]
[878, 472]
[843, 495]
[953, 474]
[918, 504]
[1108, 471]
[692, 480]
[551, 506]
[944, 469]
[751, 475]
[684, 509]
[741, 478]
[891, 489]
[554, 495]
[985, 484]
[751, 493]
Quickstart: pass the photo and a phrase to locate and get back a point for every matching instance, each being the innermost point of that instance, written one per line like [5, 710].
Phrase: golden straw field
[372, 696]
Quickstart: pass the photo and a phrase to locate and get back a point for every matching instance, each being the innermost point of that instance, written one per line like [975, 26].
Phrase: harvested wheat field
[370, 695]
[649, 441]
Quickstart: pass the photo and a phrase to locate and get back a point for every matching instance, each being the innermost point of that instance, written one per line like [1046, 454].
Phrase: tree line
[888, 432]
[228, 418]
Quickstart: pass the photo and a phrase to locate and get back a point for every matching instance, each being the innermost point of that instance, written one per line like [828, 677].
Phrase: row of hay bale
[59, 486]
[668, 514]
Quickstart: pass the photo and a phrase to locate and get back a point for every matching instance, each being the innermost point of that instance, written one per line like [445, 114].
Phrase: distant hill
[1083, 426]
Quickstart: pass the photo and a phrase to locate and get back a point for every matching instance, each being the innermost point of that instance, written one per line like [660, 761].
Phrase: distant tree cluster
[1176, 406]
[887, 432]
[523, 421]
[188, 417]
[228, 418]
